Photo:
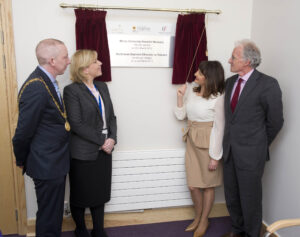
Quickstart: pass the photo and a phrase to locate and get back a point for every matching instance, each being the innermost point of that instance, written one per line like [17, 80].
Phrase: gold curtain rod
[90, 6]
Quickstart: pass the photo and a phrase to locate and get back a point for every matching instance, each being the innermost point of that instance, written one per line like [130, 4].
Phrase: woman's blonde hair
[80, 60]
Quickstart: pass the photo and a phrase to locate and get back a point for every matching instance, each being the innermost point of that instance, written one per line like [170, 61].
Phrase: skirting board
[137, 218]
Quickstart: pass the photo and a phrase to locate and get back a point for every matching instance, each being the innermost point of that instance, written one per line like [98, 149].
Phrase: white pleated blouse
[196, 108]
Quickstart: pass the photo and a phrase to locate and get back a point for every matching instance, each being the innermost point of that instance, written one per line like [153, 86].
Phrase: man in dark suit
[253, 117]
[41, 139]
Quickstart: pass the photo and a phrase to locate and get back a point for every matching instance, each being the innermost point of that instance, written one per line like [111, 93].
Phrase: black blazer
[86, 121]
[257, 119]
[41, 142]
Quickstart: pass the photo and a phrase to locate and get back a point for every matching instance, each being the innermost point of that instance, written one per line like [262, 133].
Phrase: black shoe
[98, 233]
[81, 233]
[231, 234]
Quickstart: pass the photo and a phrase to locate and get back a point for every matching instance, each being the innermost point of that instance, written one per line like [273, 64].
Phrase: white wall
[143, 97]
[275, 28]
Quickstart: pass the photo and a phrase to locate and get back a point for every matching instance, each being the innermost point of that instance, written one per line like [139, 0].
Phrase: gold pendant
[67, 126]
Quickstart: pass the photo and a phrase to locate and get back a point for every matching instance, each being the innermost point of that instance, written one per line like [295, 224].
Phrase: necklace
[63, 114]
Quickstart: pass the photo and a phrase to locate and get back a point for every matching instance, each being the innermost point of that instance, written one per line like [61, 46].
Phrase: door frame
[9, 67]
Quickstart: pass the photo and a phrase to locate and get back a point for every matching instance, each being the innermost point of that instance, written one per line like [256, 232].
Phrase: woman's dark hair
[214, 78]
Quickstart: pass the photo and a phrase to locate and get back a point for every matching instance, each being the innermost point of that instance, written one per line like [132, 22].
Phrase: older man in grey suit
[253, 117]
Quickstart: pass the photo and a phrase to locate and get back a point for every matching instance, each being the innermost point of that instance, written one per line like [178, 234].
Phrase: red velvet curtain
[91, 34]
[189, 29]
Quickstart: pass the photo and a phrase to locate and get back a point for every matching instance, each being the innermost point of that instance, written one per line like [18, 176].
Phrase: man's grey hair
[250, 52]
[47, 49]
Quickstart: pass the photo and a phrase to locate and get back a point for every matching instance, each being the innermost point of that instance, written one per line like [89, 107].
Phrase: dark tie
[236, 94]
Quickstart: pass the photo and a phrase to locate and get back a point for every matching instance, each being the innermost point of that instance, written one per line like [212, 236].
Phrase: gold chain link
[63, 114]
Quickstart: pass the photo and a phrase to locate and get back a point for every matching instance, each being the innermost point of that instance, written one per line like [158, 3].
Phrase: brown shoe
[201, 231]
[231, 234]
[191, 227]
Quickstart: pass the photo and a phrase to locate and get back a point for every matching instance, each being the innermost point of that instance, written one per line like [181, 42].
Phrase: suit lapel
[104, 99]
[228, 93]
[250, 85]
[90, 97]
[49, 83]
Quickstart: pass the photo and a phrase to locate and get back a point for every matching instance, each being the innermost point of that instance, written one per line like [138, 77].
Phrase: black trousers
[50, 201]
[243, 194]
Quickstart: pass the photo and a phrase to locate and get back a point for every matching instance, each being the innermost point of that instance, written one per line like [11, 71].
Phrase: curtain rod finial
[63, 5]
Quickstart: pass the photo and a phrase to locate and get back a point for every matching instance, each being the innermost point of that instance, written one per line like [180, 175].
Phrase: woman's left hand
[108, 145]
[213, 164]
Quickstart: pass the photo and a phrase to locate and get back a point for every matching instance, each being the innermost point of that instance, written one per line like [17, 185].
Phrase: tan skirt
[197, 159]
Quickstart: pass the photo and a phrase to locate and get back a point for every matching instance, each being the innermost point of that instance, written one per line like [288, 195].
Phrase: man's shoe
[231, 234]
[81, 233]
[98, 233]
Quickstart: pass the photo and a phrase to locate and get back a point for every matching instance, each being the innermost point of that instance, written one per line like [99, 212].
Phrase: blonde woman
[93, 136]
